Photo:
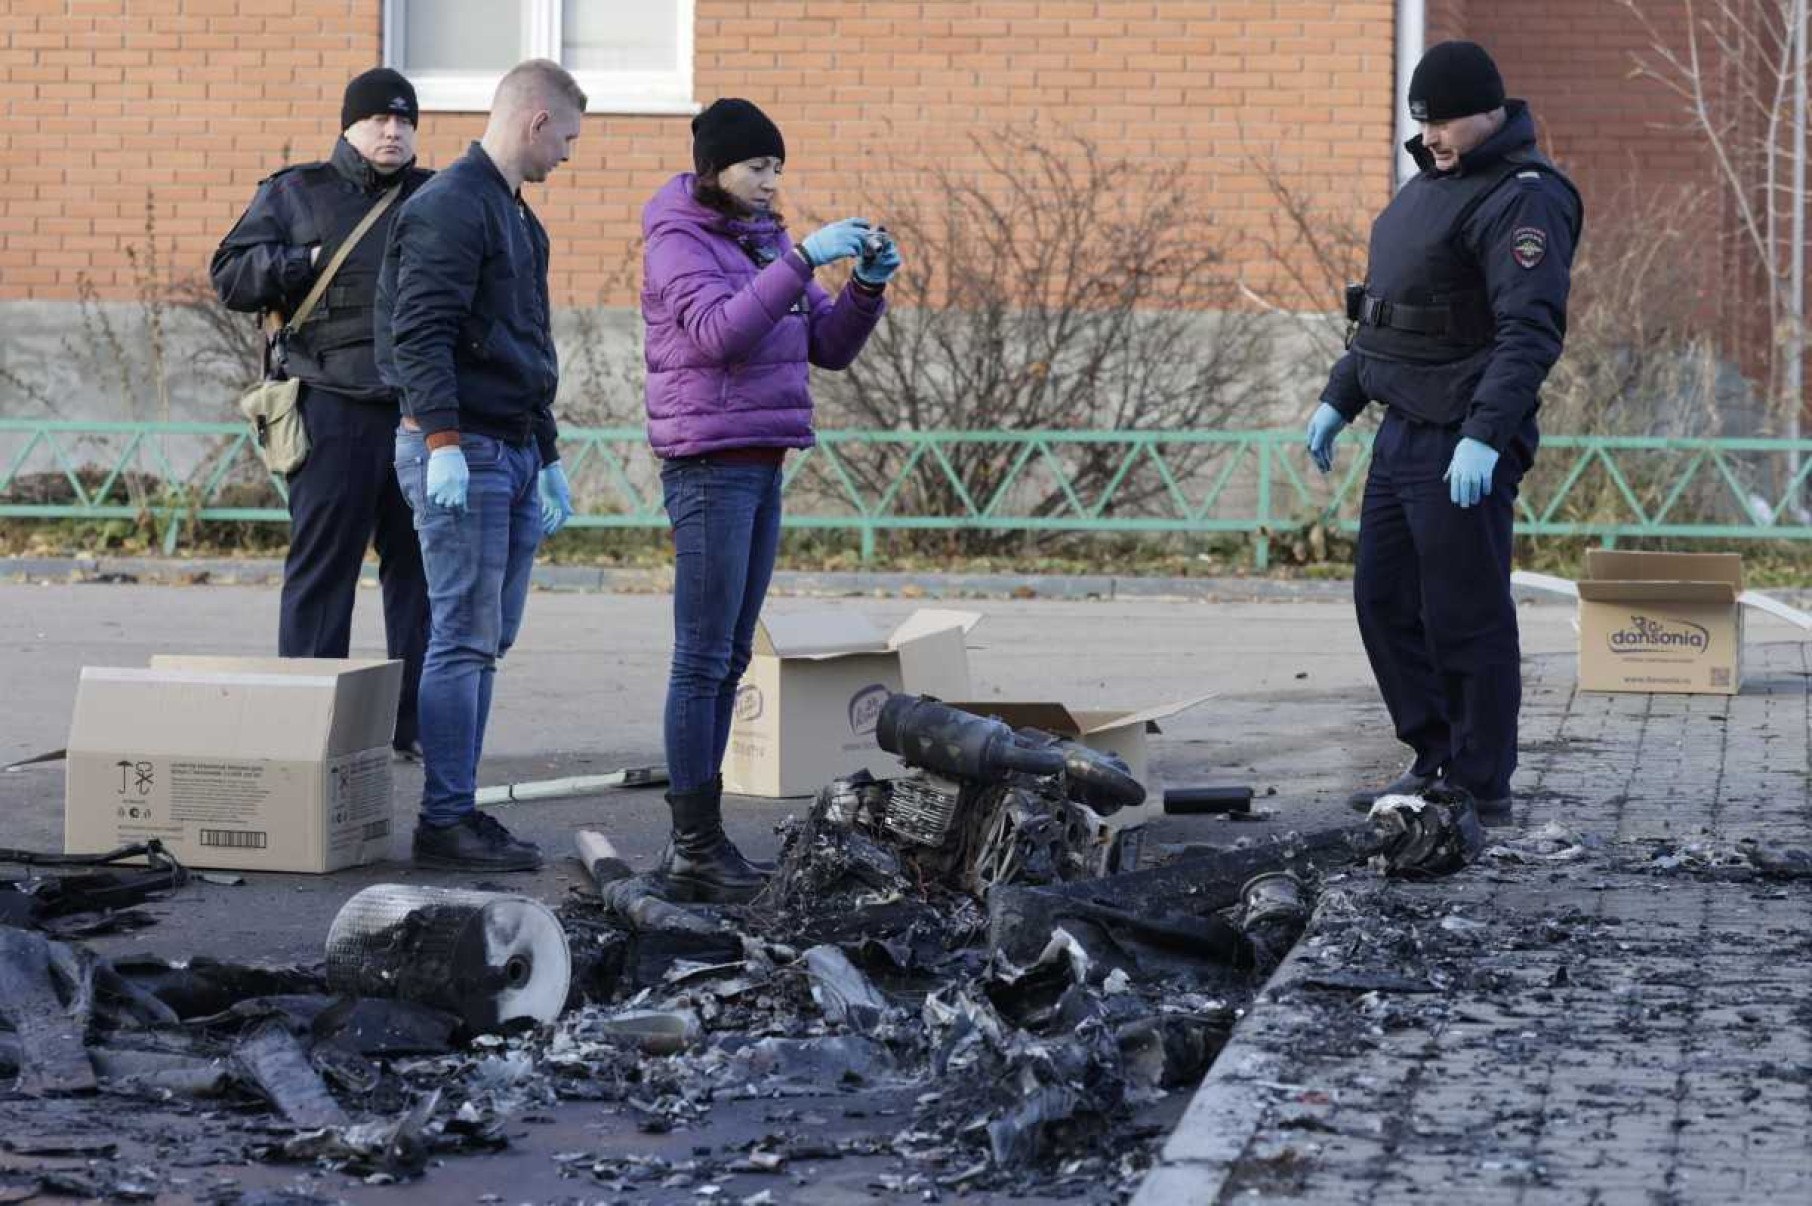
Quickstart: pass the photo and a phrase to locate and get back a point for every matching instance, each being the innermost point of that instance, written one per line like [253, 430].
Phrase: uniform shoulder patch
[1528, 244]
[292, 169]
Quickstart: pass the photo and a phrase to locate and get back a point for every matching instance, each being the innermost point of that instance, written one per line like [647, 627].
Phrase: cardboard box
[808, 703]
[1661, 622]
[1119, 731]
[257, 764]
[1669, 623]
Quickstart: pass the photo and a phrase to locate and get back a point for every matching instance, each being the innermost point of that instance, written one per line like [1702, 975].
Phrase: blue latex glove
[838, 241]
[448, 478]
[879, 270]
[556, 499]
[1468, 475]
[1324, 425]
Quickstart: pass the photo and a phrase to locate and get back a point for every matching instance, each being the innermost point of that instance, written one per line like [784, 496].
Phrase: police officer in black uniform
[345, 495]
[1462, 313]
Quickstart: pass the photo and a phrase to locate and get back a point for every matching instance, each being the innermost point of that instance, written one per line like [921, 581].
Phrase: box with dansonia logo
[1667, 623]
[253, 764]
[809, 701]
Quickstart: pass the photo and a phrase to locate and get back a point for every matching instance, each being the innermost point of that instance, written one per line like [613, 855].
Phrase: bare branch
[1054, 286]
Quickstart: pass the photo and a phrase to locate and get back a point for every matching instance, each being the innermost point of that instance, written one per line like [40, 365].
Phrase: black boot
[702, 864]
[1493, 813]
[764, 867]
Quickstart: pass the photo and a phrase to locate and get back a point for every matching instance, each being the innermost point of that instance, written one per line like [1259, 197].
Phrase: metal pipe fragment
[635, 899]
[926, 733]
[562, 789]
[600, 859]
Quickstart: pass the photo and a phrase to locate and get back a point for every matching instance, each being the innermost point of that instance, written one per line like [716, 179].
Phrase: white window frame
[632, 92]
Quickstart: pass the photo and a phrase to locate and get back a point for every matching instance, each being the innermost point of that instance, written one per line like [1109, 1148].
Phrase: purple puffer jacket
[728, 341]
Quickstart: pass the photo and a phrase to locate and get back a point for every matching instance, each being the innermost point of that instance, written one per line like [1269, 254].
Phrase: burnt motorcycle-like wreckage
[1020, 821]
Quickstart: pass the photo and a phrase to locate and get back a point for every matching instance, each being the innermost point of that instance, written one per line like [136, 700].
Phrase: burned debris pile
[974, 935]
[979, 929]
[85, 894]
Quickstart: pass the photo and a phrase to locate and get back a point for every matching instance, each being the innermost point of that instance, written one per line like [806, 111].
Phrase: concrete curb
[268, 571]
[615, 580]
[1229, 1105]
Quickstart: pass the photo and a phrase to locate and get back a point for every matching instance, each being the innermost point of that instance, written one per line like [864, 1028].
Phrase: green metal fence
[1253, 483]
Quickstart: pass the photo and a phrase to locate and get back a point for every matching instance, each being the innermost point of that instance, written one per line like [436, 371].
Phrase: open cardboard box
[809, 701]
[1670, 623]
[257, 764]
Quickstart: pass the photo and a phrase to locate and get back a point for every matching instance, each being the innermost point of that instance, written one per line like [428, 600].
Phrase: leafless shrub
[176, 334]
[602, 372]
[1733, 67]
[1053, 287]
[1313, 247]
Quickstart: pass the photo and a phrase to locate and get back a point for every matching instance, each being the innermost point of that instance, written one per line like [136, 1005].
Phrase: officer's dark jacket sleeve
[258, 266]
[439, 248]
[1524, 237]
[1343, 391]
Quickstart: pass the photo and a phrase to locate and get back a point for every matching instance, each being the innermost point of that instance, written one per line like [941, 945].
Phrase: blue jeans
[478, 564]
[726, 534]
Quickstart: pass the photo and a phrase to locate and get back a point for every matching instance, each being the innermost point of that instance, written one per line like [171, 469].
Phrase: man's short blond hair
[538, 84]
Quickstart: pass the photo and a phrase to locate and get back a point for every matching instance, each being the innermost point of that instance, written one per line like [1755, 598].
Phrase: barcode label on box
[235, 839]
[377, 829]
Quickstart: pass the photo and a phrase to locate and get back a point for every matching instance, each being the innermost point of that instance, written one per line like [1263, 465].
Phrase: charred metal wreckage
[975, 932]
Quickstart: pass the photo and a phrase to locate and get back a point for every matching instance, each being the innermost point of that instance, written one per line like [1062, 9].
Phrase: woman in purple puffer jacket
[733, 320]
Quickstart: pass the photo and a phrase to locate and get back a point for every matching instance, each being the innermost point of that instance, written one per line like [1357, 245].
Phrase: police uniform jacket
[263, 264]
[1465, 306]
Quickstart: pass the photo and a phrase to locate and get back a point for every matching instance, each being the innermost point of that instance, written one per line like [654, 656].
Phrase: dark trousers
[1432, 590]
[726, 536]
[342, 500]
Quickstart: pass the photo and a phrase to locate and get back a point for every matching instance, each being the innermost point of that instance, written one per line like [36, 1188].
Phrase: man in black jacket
[345, 493]
[1463, 312]
[464, 334]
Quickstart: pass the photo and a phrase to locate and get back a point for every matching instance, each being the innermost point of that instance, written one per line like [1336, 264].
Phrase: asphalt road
[1294, 715]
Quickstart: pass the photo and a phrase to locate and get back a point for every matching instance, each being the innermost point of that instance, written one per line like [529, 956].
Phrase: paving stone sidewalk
[1613, 1009]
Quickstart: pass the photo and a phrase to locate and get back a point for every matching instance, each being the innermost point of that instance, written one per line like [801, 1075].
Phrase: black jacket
[262, 264]
[463, 324]
[1489, 246]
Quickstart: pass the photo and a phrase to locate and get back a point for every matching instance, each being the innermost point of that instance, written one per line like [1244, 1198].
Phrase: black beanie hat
[378, 93]
[731, 131]
[1454, 79]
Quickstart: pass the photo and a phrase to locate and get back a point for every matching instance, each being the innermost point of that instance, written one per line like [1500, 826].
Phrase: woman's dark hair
[708, 193]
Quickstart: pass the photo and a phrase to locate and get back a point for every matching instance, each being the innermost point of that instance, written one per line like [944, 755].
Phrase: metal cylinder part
[937, 737]
[490, 957]
[1273, 895]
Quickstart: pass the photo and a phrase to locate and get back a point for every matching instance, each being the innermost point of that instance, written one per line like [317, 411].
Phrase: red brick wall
[1623, 137]
[187, 101]
[1571, 59]
[190, 102]
[1443, 20]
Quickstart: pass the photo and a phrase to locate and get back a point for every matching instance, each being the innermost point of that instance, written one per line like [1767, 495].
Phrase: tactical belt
[1399, 316]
